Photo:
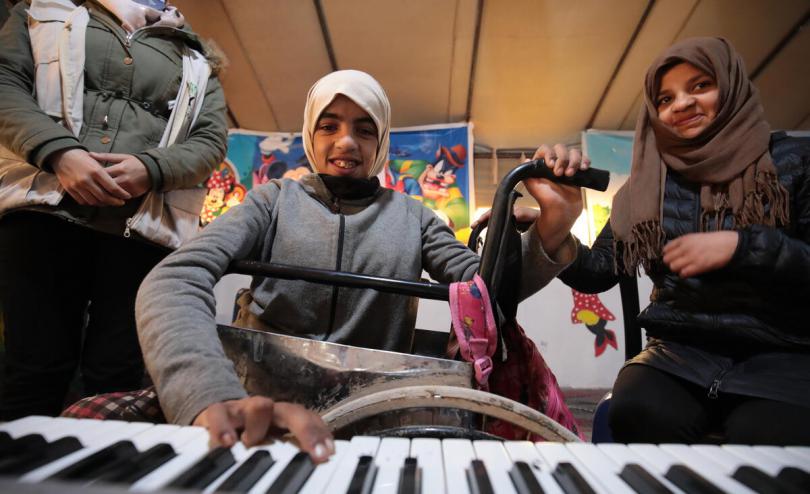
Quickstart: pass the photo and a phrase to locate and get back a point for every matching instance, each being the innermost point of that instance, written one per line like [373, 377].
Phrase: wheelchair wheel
[345, 415]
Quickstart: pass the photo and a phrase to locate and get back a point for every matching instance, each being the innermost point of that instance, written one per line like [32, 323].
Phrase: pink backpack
[521, 375]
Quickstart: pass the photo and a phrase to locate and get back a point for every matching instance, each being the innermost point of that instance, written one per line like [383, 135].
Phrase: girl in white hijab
[336, 219]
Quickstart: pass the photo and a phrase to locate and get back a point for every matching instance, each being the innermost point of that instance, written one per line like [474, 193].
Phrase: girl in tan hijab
[717, 212]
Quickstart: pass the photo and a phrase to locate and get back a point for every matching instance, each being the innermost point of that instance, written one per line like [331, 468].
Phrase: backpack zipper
[714, 388]
[127, 232]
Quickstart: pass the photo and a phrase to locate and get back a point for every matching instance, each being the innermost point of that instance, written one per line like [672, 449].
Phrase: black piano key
[36, 457]
[248, 473]
[130, 470]
[6, 441]
[690, 481]
[92, 466]
[570, 480]
[363, 478]
[478, 478]
[294, 475]
[205, 471]
[758, 481]
[29, 442]
[641, 480]
[795, 478]
[524, 479]
[410, 478]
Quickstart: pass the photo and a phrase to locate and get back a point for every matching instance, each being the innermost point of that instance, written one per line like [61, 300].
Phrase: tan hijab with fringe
[363, 90]
[730, 159]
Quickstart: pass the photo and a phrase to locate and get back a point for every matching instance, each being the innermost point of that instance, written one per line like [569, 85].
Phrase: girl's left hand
[698, 253]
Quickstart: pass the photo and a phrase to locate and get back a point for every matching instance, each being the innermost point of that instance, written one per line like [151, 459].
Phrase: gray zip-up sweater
[302, 224]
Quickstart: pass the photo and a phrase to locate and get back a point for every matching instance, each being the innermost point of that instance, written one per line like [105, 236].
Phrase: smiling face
[687, 100]
[345, 140]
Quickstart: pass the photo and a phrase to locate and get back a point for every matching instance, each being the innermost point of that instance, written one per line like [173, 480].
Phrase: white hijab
[363, 90]
[134, 16]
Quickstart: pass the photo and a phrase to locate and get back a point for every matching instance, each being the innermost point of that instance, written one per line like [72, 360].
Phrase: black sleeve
[770, 254]
[593, 270]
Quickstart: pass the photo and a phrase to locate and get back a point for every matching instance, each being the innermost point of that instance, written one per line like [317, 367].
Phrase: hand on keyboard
[257, 417]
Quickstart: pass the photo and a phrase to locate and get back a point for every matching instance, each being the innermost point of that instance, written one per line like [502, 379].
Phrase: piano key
[410, 478]
[641, 480]
[191, 444]
[478, 478]
[705, 466]
[604, 470]
[294, 475]
[283, 453]
[428, 454]
[95, 435]
[359, 446]
[19, 445]
[556, 453]
[319, 481]
[785, 456]
[363, 479]
[795, 477]
[248, 472]
[526, 452]
[36, 457]
[205, 470]
[622, 455]
[751, 456]
[524, 480]
[130, 470]
[571, 479]
[389, 459]
[498, 464]
[93, 465]
[803, 451]
[759, 481]
[691, 481]
[458, 454]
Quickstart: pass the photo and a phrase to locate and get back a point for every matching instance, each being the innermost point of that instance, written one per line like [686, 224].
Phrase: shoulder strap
[474, 326]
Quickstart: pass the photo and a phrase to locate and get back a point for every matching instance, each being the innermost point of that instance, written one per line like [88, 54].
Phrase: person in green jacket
[110, 118]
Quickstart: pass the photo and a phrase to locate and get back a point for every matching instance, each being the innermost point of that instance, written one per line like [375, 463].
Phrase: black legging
[652, 406]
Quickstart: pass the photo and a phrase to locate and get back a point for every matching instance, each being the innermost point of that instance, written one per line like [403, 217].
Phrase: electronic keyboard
[45, 454]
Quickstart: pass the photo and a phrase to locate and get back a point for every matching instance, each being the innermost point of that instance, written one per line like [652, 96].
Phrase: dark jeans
[67, 296]
[651, 406]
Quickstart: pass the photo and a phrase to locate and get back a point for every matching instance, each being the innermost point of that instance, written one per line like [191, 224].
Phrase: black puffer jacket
[757, 303]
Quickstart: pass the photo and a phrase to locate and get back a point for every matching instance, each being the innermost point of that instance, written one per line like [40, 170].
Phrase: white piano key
[457, 454]
[100, 435]
[320, 480]
[803, 451]
[498, 465]
[555, 453]
[429, 458]
[786, 457]
[754, 458]
[390, 458]
[359, 446]
[622, 455]
[526, 452]
[604, 469]
[282, 454]
[26, 425]
[708, 469]
[189, 453]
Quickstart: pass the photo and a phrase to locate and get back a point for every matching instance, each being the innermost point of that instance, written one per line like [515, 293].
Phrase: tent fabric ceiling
[523, 71]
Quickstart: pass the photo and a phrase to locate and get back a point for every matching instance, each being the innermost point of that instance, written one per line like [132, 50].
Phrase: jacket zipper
[714, 388]
[335, 207]
[127, 232]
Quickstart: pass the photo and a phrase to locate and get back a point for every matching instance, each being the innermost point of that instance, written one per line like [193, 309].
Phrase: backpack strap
[474, 326]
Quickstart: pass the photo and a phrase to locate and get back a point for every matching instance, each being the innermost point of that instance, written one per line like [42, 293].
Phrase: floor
[582, 403]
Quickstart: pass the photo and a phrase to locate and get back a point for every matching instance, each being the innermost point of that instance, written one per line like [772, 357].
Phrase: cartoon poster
[430, 163]
[611, 151]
